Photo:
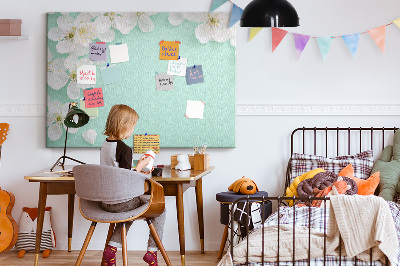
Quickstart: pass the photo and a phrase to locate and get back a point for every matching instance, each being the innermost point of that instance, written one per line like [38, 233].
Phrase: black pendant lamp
[269, 13]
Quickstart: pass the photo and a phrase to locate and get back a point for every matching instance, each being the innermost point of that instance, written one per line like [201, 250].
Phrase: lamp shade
[269, 13]
[76, 118]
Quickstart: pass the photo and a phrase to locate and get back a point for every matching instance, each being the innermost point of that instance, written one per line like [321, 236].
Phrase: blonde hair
[120, 119]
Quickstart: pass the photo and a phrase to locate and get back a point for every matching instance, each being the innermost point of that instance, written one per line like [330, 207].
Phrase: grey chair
[97, 183]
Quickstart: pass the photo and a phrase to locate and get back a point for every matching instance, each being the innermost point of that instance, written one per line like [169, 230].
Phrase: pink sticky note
[93, 98]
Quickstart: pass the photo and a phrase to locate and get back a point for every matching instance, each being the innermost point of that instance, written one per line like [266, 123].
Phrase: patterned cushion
[362, 163]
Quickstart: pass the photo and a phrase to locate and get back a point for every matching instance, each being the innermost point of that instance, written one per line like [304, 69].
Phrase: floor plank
[93, 258]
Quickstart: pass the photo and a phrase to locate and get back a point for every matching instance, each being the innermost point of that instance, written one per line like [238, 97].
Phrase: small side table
[226, 199]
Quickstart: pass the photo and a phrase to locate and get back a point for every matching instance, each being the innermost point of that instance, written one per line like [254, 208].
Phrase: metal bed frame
[316, 134]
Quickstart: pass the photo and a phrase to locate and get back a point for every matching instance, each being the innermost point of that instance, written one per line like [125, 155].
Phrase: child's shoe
[109, 256]
[151, 258]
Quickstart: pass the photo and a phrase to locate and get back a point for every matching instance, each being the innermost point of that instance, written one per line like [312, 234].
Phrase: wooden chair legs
[86, 243]
[110, 232]
[223, 242]
[160, 246]
[124, 245]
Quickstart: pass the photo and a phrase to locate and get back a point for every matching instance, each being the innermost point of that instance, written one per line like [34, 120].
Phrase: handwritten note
[86, 74]
[93, 97]
[164, 82]
[194, 109]
[143, 143]
[169, 50]
[98, 52]
[110, 74]
[119, 53]
[177, 67]
[194, 75]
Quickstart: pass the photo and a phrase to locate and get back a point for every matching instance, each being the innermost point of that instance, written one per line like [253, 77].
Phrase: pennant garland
[324, 44]
[352, 42]
[235, 15]
[254, 32]
[379, 35]
[300, 42]
[277, 36]
[216, 4]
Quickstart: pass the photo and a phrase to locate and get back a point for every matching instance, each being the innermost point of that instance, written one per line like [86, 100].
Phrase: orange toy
[365, 187]
[244, 186]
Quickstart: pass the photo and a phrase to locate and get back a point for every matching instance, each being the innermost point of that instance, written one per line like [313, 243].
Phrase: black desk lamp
[74, 118]
[269, 13]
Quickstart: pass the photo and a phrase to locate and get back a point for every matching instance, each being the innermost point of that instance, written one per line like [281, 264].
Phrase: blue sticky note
[98, 52]
[194, 75]
[110, 74]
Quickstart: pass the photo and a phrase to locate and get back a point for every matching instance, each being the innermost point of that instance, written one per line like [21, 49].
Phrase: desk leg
[199, 201]
[181, 225]
[71, 201]
[40, 219]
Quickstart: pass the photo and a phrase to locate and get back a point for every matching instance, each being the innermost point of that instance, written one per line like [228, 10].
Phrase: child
[121, 122]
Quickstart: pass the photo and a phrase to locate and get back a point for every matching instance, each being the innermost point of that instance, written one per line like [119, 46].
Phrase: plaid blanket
[317, 222]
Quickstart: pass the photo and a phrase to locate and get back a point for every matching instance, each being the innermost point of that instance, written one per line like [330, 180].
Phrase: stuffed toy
[244, 186]
[27, 232]
[365, 187]
[292, 189]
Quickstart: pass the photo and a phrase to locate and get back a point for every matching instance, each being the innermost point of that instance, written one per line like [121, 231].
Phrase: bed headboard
[331, 142]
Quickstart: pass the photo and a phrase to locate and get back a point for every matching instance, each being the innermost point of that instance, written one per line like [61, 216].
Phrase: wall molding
[293, 109]
[245, 109]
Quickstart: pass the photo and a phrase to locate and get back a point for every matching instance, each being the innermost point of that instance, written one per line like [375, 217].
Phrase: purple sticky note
[98, 51]
[194, 75]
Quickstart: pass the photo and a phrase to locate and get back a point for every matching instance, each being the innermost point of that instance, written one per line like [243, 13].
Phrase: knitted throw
[364, 222]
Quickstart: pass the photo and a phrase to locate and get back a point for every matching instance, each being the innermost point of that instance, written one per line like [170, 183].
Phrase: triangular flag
[397, 22]
[324, 44]
[277, 36]
[379, 34]
[352, 42]
[216, 4]
[253, 33]
[235, 15]
[300, 42]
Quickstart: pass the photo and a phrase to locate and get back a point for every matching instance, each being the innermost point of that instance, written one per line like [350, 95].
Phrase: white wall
[262, 78]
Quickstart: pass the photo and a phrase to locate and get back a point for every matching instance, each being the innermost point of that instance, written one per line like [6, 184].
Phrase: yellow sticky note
[169, 50]
[143, 143]
[91, 112]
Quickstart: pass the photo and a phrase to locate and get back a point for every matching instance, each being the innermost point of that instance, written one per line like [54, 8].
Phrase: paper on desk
[194, 109]
[119, 53]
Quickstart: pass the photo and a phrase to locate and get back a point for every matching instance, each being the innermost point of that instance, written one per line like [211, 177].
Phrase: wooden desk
[175, 183]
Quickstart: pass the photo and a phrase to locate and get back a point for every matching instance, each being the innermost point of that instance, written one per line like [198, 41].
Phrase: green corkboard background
[161, 112]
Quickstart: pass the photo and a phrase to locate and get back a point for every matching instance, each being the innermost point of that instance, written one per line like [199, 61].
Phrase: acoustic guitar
[3, 135]
[8, 226]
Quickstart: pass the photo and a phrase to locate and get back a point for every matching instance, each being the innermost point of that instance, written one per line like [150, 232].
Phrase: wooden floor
[93, 258]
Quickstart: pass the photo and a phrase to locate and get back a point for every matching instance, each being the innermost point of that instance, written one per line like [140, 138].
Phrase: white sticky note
[86, 74]
[119, 53]
[177, 67]
[194, 109]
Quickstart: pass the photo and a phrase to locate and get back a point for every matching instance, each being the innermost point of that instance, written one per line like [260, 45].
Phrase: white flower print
[71, 63]
[213, 27]
[105, 23]
[73, 35]
[56, 76]
[55, 119]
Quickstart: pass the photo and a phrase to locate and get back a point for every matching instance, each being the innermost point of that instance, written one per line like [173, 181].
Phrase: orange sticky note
[93, 98]
[169, 50]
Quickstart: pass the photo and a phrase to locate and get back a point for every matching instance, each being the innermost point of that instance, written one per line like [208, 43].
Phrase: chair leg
[223, 242]
[86, 243]
[110, 232]
[124, 248]
[160, 246]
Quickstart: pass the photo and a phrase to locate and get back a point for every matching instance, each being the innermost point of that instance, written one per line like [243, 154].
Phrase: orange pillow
[365, 187]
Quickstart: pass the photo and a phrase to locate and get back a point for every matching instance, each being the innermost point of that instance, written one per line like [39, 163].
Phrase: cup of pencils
[201, 159]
